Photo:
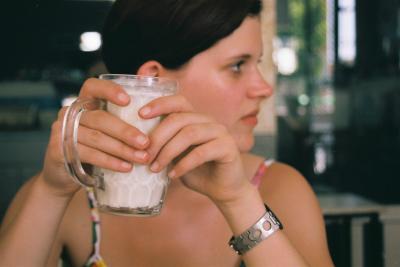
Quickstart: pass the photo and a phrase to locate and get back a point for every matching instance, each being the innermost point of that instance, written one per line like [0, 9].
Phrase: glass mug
[139, 192]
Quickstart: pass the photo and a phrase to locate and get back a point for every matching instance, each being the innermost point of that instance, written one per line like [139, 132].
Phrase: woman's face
[224, 81]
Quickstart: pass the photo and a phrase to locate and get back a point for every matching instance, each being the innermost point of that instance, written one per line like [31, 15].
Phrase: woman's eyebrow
[244, 56]
[240, 57]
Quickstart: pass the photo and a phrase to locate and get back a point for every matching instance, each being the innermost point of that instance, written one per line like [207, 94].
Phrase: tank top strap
[95, 259]
[256, 180]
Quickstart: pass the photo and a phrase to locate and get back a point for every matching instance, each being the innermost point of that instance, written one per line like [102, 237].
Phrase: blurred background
[337, 104]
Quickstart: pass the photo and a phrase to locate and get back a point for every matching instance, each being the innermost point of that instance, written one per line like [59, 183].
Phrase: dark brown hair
[168, 31]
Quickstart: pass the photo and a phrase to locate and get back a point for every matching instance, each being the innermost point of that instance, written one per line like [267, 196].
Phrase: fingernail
[145, 111]
[142, 140]
[154, 167]
[140, 154]
[123, 97]
[126, 165]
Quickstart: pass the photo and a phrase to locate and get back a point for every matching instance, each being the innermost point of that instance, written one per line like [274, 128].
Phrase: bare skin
[210, 197]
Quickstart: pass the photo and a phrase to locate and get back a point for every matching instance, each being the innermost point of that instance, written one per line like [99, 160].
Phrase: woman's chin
[245, 143]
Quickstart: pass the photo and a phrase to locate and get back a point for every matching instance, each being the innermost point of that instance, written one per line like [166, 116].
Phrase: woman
[218, 189]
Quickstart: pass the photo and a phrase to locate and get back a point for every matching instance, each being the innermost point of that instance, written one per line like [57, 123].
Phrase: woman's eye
[237, 66]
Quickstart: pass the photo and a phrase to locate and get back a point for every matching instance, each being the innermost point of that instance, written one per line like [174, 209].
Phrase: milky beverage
[140, 189]
[139, 192]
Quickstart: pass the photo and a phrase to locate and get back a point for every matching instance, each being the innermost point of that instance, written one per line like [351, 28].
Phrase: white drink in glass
[140, 189]
[139, 192]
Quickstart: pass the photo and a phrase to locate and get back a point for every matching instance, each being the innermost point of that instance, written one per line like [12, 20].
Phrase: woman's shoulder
[274, 174]
[281, 176]
[294, 201]
[283, 185]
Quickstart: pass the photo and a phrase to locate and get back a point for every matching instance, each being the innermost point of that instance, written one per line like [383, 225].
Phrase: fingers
[109, 142]
[169, 127]
[165, 105]
[103, 89]
[184, 141]
[98, 148]
[221, 150]
[102, 160]
[109, 124]
[99, 141]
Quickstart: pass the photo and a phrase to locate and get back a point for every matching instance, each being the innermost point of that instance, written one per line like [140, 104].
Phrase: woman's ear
[151, 68]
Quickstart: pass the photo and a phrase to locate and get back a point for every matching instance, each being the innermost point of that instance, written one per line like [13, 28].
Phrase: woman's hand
[103, 139]
[204, 155]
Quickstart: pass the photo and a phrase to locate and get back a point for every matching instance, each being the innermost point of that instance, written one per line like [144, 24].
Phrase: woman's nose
[260, 88]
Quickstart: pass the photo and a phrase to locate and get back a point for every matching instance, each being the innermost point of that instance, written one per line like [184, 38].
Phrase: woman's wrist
[40, 185]
[244, 210]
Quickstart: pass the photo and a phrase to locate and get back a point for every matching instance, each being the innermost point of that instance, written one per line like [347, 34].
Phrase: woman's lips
[250, 119]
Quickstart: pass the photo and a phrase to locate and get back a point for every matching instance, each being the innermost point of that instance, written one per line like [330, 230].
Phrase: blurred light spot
[304, 100]
[320, 162]
[90, 41]
[286, 60]
[347, 31]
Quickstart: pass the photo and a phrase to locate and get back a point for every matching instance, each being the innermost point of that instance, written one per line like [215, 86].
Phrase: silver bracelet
[261, 230]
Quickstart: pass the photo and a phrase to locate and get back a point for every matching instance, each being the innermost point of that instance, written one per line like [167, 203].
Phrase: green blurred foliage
[308, 26]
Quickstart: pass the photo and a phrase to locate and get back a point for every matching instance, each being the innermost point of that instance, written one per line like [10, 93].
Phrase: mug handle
[69, 137]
